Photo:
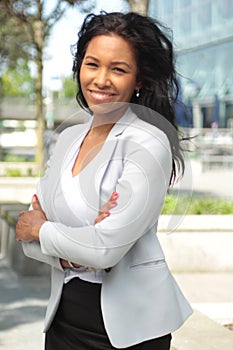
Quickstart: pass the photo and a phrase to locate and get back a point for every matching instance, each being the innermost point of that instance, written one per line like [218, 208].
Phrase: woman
[96, 214]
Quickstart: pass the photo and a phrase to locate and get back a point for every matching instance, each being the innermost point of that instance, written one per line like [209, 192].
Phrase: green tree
[17, 81]
[69, 87]
[13, 44]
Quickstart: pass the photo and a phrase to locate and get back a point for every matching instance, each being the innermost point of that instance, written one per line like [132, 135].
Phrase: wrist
[36, 230]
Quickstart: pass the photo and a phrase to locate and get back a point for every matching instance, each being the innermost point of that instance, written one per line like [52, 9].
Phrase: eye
[119, 70]
[91, 64]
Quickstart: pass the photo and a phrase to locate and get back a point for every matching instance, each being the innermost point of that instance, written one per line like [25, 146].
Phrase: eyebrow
[113, 63]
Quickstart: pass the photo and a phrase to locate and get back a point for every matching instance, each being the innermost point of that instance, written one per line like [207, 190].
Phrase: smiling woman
[98, 205]
[108, 71]
[108, 79]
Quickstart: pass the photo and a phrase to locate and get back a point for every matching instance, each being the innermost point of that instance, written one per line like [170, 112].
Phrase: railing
[215, 162]
[213, 147]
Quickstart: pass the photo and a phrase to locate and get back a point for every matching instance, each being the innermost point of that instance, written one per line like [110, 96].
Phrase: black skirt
[78, 323]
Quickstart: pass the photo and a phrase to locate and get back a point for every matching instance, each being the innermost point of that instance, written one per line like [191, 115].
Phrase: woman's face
[109, 70]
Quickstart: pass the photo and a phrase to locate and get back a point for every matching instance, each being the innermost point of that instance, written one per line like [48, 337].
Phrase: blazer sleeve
[142, 187]
[33, 250]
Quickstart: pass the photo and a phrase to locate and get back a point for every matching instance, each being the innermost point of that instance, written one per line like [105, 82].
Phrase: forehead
[110, 45]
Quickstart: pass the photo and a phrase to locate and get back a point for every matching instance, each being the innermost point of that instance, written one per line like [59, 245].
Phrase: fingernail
[114, 203]
[114, 194]
[106, 213]
[35, 197]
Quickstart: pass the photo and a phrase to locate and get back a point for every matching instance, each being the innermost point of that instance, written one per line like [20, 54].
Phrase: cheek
[129, 87]
[82, 75]
[85, 74]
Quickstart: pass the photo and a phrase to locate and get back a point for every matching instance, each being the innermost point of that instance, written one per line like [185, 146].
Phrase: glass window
[184, 4]
[226, 8]
[205, 15]
[184, 18]
[210, 70]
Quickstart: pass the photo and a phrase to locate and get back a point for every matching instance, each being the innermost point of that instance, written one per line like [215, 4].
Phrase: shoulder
[147, 135]
[74, 130]
[72, 133]
[67, 137]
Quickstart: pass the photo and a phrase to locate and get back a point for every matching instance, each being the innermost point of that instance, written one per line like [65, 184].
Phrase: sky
[58, 59]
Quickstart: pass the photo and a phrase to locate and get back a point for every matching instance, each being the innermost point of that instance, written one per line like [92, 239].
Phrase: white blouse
[73, 210]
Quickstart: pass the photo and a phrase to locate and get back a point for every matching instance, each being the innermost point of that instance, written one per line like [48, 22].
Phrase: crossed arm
[30, 222]
[142, 186]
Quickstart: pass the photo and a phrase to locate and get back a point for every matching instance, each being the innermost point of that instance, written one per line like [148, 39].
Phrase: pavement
[23, 301]
[210, 327]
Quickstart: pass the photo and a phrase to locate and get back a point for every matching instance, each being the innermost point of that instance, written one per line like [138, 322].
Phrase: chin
[111, 109]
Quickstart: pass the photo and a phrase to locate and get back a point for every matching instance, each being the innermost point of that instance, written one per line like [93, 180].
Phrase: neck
[106, 115]
[100, 129]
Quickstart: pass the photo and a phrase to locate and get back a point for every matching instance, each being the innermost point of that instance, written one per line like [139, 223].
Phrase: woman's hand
[103, 213]
[30, 222]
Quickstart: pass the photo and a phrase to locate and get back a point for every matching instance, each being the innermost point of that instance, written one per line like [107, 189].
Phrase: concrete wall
[199, 243]
[19, 189]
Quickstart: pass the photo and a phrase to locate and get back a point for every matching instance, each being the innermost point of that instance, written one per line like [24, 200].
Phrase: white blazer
[140, 299]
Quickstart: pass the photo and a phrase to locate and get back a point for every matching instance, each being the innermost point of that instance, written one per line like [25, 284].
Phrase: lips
[101, 95]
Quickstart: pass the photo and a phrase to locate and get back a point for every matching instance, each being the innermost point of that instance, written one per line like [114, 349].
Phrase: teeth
[101, 94]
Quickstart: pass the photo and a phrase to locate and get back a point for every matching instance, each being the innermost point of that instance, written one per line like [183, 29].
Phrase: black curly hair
[156, 68]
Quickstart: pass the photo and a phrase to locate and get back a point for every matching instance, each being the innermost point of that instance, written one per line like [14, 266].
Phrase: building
[203, 39]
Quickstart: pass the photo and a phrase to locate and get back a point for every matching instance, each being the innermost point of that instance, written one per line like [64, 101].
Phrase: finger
[102, 216]
[107, 206]
[111, 203]
[35, 203]
[114, 195]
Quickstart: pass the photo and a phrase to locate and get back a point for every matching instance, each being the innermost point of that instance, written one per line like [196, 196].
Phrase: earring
[137, 93]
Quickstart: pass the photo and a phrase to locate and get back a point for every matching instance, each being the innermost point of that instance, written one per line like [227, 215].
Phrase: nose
[102, 78]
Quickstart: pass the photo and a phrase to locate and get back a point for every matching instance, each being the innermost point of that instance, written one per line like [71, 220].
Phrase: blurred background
[37, 91]
[37, 101]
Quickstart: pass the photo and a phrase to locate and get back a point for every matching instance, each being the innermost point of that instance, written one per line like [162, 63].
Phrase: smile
[101, 95]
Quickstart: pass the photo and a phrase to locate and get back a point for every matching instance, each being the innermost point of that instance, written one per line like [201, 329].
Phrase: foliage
[69, 87]
[14, 40]
[196, 205]
[18, 82]
[9, 157]
[13, 172]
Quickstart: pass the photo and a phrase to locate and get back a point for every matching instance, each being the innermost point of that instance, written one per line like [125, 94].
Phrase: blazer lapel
[109, 149]
[46, 189]
[65, 149]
